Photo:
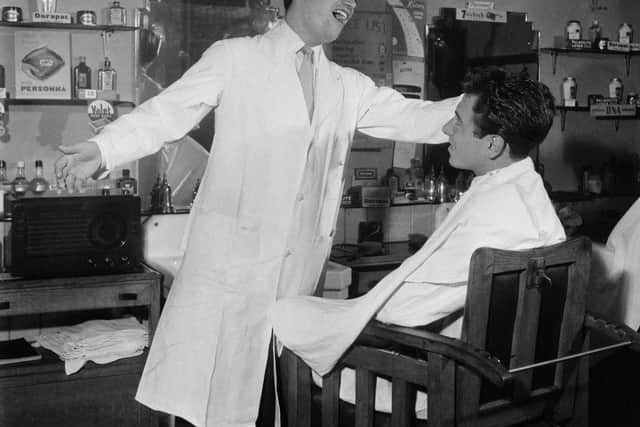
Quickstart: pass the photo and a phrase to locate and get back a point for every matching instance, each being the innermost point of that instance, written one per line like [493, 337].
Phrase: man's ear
[495, 145]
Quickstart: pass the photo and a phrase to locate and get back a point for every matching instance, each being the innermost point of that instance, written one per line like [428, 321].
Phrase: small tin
[86, 17]
[632, 98]
[12, 14]
[625, 33]
[602, 43]
[569, 91]
[574, 30]
[615, 89]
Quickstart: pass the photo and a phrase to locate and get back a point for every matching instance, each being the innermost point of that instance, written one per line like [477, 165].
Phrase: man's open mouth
[342, 14]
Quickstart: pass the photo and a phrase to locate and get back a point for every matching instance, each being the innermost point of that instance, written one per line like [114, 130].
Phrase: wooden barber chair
[522, 357]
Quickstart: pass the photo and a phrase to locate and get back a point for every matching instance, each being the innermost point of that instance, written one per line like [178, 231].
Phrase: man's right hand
[77, 163]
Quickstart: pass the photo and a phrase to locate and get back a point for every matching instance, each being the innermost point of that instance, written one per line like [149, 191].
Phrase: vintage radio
[71, 236]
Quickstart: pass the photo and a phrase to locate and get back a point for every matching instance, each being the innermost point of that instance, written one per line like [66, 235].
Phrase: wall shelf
[13, 101]
[586, 109]
[46, 25]
[555, 51]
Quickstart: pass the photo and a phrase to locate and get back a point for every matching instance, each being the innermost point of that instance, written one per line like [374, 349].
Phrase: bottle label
[82, 81]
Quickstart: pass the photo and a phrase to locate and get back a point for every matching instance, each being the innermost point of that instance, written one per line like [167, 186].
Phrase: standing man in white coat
[262, 223]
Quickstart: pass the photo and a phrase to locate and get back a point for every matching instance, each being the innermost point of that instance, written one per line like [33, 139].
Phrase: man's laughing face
[325, 19]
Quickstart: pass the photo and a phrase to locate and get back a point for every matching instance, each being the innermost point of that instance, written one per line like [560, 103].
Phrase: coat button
[288, 252]
[300, 197]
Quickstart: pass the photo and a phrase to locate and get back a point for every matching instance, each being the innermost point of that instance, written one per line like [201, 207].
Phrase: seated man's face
[466, 150]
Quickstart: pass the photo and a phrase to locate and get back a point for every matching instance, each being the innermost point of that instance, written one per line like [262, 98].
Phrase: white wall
[585, 140]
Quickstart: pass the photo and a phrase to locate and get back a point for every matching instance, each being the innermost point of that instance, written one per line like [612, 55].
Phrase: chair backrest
[525, 307]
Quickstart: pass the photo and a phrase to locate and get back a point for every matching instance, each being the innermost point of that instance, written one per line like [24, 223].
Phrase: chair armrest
[618, 332]
[408, 341]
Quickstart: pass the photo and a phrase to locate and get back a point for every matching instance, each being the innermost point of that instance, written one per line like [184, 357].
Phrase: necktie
[305, 74]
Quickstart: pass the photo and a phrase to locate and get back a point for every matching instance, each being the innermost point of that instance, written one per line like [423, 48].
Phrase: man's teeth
[340, 15]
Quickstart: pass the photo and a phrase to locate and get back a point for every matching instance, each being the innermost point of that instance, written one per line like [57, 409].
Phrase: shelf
[45, 25]
[585, 109]
[13, 101]
[555, 51]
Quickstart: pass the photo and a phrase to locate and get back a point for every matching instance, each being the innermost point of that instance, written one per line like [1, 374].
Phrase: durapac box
[42, 65]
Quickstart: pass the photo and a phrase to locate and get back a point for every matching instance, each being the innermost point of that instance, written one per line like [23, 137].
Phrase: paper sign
[42, 65]
[101, 113]
[613, 110]
[481, 15]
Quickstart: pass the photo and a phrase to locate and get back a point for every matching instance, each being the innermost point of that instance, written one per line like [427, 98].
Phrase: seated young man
[499, 120]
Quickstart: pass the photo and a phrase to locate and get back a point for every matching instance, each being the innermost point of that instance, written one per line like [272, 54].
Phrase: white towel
[101, 341]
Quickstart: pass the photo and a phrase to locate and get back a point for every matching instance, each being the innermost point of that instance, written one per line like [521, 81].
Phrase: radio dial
[91, 262]
[125, 260]
[109, 261]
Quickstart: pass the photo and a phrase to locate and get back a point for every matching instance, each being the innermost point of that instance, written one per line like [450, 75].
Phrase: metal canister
[632, 98]
[12, 14]
[569, 91]
[615, 89]
[574, 30]
[625, 33]
[603, 43]
[86, 17]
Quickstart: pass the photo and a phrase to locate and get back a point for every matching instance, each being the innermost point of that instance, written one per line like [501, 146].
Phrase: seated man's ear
[496, 145]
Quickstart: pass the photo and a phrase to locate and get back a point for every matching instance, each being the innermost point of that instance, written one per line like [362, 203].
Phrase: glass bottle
[107, 76]
[81, 76]
[116, 14]
[155, 196]
[2, 81]
[442, 187]
[430, 186]
[595, 33]
[127, 184]
[39, 185]
[165, 196]
[5, 187]
[20, 184]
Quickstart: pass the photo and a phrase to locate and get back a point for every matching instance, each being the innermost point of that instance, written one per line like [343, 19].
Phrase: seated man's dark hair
[518, 109]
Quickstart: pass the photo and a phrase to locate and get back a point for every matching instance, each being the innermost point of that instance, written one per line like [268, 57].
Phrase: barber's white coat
[208, 356]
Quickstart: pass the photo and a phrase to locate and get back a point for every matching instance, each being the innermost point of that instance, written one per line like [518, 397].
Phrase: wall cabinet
[39, 393]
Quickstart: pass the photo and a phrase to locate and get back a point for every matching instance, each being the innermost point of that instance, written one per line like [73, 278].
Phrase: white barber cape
[507, 208]
[614, 289]
[262, 223]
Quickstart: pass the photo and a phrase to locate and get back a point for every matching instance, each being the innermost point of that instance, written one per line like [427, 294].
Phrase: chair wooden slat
[403, 403]
[365, 397]
[331, 399]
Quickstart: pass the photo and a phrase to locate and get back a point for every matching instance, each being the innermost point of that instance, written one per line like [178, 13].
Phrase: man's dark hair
[287, 3]
[518, 109]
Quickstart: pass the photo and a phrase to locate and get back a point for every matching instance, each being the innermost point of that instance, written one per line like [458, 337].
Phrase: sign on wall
[42, 65]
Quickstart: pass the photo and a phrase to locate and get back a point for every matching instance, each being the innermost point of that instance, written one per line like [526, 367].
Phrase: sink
[163, 247]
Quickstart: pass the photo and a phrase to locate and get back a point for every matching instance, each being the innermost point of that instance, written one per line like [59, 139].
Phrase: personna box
[42, 65]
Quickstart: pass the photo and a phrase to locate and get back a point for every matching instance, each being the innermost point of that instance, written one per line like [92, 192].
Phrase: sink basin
[163, 247]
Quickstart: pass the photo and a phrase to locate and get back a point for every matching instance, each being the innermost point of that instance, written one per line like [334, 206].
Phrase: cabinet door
[91, 401]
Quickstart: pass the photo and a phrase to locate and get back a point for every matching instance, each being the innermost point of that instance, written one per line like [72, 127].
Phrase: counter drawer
[16, 302]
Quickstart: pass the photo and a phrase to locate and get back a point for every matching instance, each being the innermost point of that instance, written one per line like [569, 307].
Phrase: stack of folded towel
[101, 341]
